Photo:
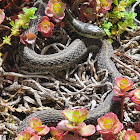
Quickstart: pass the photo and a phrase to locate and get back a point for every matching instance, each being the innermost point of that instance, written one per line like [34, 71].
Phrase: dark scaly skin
[52, 117]
[64, 59]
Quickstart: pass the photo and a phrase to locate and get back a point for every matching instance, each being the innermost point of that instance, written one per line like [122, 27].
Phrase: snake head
[87, 30]
[94, 31]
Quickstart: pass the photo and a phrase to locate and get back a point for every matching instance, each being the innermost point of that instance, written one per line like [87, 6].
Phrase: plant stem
[2, 44]
[122, 105]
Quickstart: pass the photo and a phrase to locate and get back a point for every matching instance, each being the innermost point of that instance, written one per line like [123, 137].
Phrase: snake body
[72, 54]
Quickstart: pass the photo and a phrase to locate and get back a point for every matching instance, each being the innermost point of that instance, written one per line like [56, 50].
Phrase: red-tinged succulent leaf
[42, 130]
[107, 121]
[61, 126]
[55, 9]
[123, 83]
[135, 100]
[103, 131]
[39, 128]
[118, 92]
[87, 12]
[53, 131]
[2, 16]
[83, 111]
[68, 114]
[62, 24]
[87, 130]
[72, 137]
[23, 38]
[23, 135]
[45, 27]
[49, 12]
[58, 7]
[137, 135]
[29, 129]
[19, 137]
[30, 38]
[35, 137]
[109, 137]
[81, 125]
[44, 18]
[137, 93]
[56, 20]
[70, 126]
[34, 122]
[109, 124]
[117, 128]
[137, 126]
[137, 107]
[130, 135]
[135, 96]
[57, 133]
[59, 136]
[105, 5]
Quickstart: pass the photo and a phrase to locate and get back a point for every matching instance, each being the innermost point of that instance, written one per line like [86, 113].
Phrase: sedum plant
[25, 135]
[118, 19]
[120, 89]
[33, 132]
[55, 9]
[91, 11]
[122, 85]
[2, 16]
[59, 134]
[36, 127]
[109, 125]
[131, 135]
[75, 124]
[22, 21]
[135, 97]
[29, 38]
[45, 26]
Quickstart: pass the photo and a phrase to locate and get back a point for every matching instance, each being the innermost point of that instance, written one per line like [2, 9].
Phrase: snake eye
[93, 34]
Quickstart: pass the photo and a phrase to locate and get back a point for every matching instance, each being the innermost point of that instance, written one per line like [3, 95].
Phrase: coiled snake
[72, 54]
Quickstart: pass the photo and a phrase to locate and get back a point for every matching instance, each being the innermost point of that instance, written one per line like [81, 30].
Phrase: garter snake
[65, 58]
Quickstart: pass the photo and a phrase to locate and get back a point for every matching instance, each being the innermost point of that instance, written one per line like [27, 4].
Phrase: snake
[63, 59]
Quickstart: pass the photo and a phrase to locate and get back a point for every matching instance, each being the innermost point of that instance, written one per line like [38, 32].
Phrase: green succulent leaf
[21, 16]
[106, 27]
[29, 13]
[81, 118]
[12, 23]
[68, 114]
[15, 31]
[70, 126]
[33, 17]
[115, 2]
[25, 26]
[6, 40]
[128, 2]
